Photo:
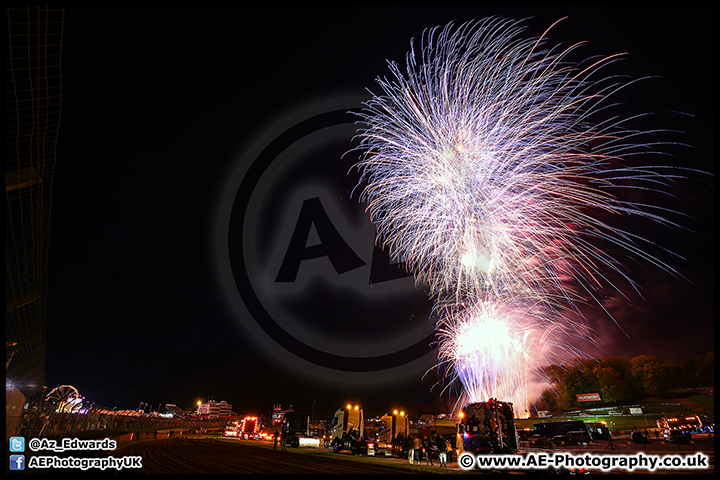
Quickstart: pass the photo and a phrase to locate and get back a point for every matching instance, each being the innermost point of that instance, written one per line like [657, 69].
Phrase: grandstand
[33, 94]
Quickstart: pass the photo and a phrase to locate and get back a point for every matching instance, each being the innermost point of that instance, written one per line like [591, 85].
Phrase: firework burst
[497, 347]
[484, 166]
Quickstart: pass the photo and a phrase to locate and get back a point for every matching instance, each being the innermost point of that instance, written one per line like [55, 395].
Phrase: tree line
[623, 379]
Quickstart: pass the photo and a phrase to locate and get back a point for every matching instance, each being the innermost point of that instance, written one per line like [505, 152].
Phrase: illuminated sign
[588, 397]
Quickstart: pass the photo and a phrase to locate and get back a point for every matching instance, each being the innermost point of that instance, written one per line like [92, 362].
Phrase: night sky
[169, 121]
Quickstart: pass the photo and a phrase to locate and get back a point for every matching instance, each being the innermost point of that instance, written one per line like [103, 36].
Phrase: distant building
[174, 410]
[215, 409]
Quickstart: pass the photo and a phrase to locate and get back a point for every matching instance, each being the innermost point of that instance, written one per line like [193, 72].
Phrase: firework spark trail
[484, 167]
[496, 347]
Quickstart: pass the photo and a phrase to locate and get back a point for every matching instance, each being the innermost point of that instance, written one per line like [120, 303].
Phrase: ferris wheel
[66, 397]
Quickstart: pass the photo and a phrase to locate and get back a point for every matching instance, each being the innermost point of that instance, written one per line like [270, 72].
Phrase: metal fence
[45, 420]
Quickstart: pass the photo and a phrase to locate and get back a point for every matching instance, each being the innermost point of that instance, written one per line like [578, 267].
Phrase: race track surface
[206, 455]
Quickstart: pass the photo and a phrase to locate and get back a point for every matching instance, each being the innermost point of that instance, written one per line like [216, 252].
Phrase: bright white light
[477, 260]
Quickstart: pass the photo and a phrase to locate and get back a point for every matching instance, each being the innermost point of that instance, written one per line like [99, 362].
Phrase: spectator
[409, 447]
[427, 447]
[417, 445]
[441, 445]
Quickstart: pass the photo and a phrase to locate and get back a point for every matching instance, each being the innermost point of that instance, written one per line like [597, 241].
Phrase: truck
[443, 424]
[598, 431]
[566, 432]
[249, 428]
[391, 437]
[296, 428]
[692, 423]
[231, 429]
[487, 427]
[681, 428]
[346, 433]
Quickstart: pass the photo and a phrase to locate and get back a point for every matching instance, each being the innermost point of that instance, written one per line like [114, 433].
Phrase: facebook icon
[17, 462]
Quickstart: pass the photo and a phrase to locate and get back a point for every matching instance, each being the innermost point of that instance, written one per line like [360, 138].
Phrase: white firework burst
[481, 166]
[497, 347]
[487, 166]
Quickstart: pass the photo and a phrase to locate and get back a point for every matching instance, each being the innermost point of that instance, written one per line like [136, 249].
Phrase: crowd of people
[419, 448]
[422, 448]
